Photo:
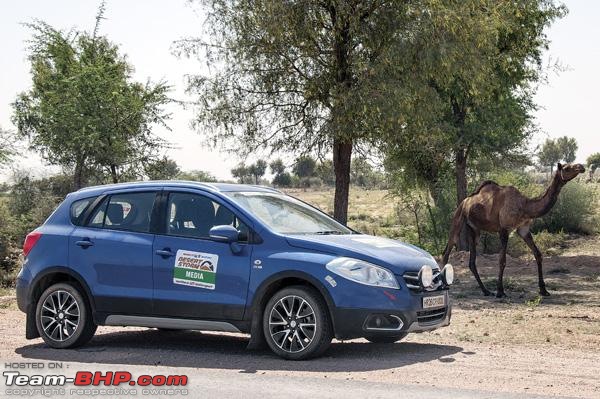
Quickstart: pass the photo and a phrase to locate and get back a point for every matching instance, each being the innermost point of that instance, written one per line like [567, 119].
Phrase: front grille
[412, 281]
[427, 317]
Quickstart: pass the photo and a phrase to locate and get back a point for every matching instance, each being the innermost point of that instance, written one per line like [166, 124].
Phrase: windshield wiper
[328, 232]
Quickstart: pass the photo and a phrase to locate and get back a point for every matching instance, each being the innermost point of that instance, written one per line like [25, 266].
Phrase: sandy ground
[518, 346]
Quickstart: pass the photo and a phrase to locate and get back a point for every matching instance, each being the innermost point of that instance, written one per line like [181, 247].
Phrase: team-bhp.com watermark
[90, 383]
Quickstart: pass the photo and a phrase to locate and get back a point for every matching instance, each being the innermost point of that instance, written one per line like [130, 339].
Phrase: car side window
[192, 215]
[78, 208]
[127, 211]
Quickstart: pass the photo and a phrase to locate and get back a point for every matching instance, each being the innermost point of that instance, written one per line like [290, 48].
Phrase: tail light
[30, 241]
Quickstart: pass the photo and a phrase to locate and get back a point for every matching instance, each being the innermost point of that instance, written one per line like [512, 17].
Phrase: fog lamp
[448, 274]
[426, 276]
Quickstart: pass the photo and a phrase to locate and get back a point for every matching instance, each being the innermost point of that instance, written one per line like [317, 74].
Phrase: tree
[258, 170]
[304, 76]
[242, 173]
[197, 175]
[305, 166]
[7, 146]
[162, 169]
[83, 111]
[550, 154]
[567, 147]
[593, 163]
[277, 167]
[363, 174]
[281, 178]
[481, 70]
[553, 151]
[325, 172]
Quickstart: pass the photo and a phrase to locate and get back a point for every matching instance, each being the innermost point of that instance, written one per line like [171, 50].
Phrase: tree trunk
[113, 174]
[78, 175]
[342, 155]
[461, 192]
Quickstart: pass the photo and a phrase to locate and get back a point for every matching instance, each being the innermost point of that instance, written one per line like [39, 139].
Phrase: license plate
[434, 301]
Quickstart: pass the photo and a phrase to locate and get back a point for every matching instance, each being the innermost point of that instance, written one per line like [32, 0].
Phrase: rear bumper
[22, 288]
[352, 323]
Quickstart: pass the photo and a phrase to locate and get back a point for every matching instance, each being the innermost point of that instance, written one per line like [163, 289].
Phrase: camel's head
[569, 171]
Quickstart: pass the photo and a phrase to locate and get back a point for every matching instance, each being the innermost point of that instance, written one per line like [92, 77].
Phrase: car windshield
[287, 215]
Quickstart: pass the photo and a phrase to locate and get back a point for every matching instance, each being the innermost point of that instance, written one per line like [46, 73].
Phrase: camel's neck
[540, 206]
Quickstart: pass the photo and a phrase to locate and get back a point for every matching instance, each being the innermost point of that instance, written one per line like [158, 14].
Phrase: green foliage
[553, 151]
[258, 170]
[7, 146]
[305, 166]
[28, 205]
[251, 173]
[593, 163]
[480, 62]
[83, 111]
[324, 171]
[568, 148]
[162, 169]
[363, 174]
[574, 212]
[197, 175]
[549, 154]
[281, 178]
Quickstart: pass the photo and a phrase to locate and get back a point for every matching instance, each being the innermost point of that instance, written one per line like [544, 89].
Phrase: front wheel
[296, 323]
[63, 317]
[385, 339]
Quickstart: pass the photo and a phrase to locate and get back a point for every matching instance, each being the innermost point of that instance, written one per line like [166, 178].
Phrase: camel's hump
[482, 185]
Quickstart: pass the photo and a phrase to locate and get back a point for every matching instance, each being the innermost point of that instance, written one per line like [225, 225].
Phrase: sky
[145, 30]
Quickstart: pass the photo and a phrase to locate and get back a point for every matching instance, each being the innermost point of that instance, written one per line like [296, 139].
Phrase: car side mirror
[224, 233]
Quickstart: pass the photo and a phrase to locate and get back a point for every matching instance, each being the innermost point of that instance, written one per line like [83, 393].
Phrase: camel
[503, 209]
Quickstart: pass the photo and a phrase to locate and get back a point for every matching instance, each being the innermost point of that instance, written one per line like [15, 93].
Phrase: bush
[574, 212]
[548, 243]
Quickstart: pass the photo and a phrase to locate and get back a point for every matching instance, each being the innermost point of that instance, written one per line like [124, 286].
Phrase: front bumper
[352, 323]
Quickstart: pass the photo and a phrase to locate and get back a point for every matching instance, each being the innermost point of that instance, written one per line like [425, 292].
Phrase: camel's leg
[502, 264]
[473, 237]
[457, 223]
[528, 238]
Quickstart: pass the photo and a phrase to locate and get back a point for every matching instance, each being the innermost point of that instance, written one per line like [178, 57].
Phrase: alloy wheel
[60, 315]
[292, 324]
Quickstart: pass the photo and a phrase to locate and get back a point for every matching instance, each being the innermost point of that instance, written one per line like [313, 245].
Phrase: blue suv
[222, 257]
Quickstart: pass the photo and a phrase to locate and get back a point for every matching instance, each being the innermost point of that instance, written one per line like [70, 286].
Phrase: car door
[195, 277]
[113, 251]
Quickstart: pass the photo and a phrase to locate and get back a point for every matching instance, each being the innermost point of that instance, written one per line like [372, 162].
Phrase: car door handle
[165, 253]
[84, 243]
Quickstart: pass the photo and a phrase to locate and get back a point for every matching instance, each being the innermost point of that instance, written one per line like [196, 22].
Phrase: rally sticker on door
[195, 269]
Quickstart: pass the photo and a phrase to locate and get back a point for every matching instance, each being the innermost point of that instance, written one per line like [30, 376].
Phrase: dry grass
[569, 318]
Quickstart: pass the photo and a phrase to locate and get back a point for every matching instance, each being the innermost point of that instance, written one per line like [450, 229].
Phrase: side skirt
[171, 323]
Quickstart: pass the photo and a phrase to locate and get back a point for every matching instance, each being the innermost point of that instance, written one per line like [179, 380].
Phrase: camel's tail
[457, 224]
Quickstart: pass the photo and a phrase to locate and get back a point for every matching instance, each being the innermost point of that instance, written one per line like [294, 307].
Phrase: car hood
[399, 257]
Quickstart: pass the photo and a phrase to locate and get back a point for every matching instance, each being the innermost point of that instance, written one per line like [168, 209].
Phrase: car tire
[385, 339]
[63, 316]
[296, 323]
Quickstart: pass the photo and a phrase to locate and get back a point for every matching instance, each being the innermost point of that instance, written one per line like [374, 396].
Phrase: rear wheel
[385, 339]
[296, 323]
[63, 317]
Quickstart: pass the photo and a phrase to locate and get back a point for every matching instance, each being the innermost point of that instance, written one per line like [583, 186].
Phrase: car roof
[154, 184]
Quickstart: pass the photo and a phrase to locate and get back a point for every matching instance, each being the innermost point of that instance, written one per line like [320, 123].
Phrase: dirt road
[514, 347]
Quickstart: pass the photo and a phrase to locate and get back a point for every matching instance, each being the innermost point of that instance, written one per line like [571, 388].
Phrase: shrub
[574, 212]
[548, 243]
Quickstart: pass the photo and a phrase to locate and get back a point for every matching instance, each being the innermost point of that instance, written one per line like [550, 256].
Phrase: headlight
[448, 274]
[363, 272]
[426, 276]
